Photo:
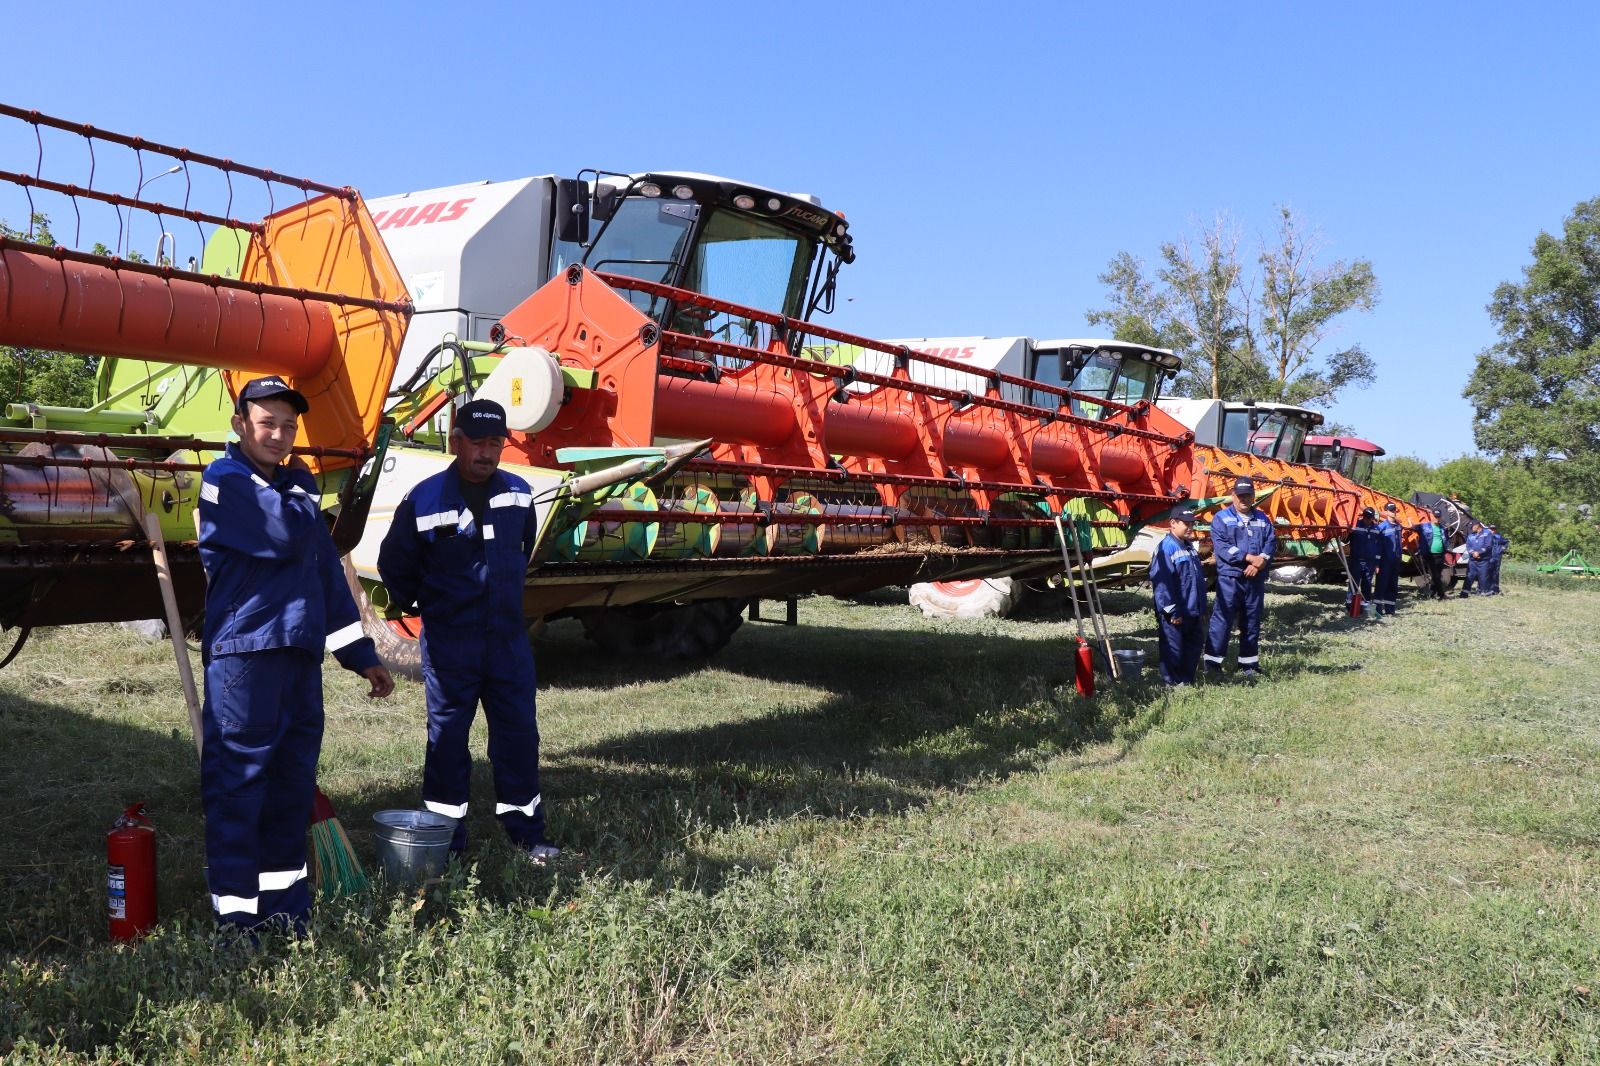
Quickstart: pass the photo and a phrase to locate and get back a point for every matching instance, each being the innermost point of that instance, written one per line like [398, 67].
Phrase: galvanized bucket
[1130, 663]
[412, 845]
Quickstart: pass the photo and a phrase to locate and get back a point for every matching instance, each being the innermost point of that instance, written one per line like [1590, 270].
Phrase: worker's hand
[1176, 620]
[298, 462]
[1252, 570]
[382, 683]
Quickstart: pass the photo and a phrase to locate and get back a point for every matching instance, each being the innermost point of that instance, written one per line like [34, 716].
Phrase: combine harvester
[683, 320]
[316, 299]
[1312, 507]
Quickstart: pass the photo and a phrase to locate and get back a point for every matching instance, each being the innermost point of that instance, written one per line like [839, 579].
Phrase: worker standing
[458, 548]
[1431, 541]
[1366, 549]
[1386, 585]
[275, 598]
[1497, 552]
[1477, 548]
[1243, 542]
[1180, 594]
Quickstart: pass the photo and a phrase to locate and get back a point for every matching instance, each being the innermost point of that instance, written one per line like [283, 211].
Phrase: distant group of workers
[1243, 540]
[276, 597]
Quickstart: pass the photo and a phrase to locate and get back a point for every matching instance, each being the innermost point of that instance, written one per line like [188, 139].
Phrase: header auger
[308, 292]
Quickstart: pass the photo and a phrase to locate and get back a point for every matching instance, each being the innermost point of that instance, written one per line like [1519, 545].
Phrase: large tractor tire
[680, 631]
[397, 642]
[989, 597]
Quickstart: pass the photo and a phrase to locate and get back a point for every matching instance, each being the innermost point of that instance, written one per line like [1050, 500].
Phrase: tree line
[1261, 328]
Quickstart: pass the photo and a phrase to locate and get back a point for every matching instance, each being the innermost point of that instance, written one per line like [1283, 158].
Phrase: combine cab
[314, 298]
[1350, 456]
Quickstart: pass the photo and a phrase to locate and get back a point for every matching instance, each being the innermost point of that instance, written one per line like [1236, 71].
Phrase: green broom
[335, 869]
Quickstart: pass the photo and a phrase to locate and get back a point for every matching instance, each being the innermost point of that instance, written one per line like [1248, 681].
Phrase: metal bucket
[412, 845]
[1369, 609]
[1130, 663]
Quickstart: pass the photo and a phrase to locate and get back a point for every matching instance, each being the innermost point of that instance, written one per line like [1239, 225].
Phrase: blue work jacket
[273, 576]
[1481, 543]
[1366, 545]
[1497, 546]
[1390, 533]
[437, 559]
[1425, 538]
[1176, 578]
[1234, 536]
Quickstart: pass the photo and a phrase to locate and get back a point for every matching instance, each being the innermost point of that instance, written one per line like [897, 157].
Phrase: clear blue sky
[992, 158]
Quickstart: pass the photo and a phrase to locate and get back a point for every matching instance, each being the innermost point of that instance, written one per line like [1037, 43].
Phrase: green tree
[1240, 335]
[1299, 304]
[29, 375]
[1403, 475]
[1536, 392]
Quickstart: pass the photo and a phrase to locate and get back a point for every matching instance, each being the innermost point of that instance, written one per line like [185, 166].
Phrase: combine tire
[990, 597]
[682, 631]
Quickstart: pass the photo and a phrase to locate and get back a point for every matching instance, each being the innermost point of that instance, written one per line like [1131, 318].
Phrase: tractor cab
[1255, 427]
[747, 245]
[1350, 456]
[1270, 430]
[1119, 371]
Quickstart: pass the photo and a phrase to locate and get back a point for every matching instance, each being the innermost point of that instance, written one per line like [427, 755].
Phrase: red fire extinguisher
[131, 874]
[1083, 671]
[1355, 605]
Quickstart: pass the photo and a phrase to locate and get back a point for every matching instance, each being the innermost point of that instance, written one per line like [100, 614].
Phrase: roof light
[744, 202]
[650, 189]
[773, 203]
[838, 231]
[683, 192]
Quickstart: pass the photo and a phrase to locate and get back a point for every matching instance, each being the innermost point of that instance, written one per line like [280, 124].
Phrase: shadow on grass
[907, 715]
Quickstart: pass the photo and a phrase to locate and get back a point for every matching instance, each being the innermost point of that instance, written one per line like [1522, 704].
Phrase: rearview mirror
[572, 211]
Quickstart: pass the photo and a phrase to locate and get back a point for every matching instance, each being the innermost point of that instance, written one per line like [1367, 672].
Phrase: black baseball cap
[1184, 514]
[1367, 512]
[1391, 507]
[481, 418]
[271, 388]
[1244, 486]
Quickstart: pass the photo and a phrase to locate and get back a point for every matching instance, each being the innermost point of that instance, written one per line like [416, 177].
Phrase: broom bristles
[335, 867]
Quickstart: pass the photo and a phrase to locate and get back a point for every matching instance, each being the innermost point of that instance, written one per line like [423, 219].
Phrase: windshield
[1236, 431]
[1137, 381]
[744, 260]
[1277, 436]
[645, 239]
[1094, 379]
[1361, 469]
[1294, 432]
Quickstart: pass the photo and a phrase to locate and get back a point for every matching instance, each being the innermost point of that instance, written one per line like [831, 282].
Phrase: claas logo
[422, 214]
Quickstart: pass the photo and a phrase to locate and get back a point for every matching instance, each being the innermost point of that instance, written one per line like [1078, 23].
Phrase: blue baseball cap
[1185, 513]
[481, 418]
[1244, 486]
[271, 388]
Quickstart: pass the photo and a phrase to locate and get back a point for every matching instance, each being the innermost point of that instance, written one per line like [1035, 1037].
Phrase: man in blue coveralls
[1366, 549]
[276, 597]
[1389, 552]
[458, 549]
[1477, 548]
[1242, 542]
[1497, 552]
[1180, 593]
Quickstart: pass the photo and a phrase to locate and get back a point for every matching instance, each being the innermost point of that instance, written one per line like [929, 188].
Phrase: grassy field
[875, 839]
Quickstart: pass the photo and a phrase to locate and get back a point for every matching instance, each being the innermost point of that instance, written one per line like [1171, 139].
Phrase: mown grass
[878, 839]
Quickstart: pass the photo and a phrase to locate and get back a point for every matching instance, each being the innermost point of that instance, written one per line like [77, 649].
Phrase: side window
[1236, 431]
